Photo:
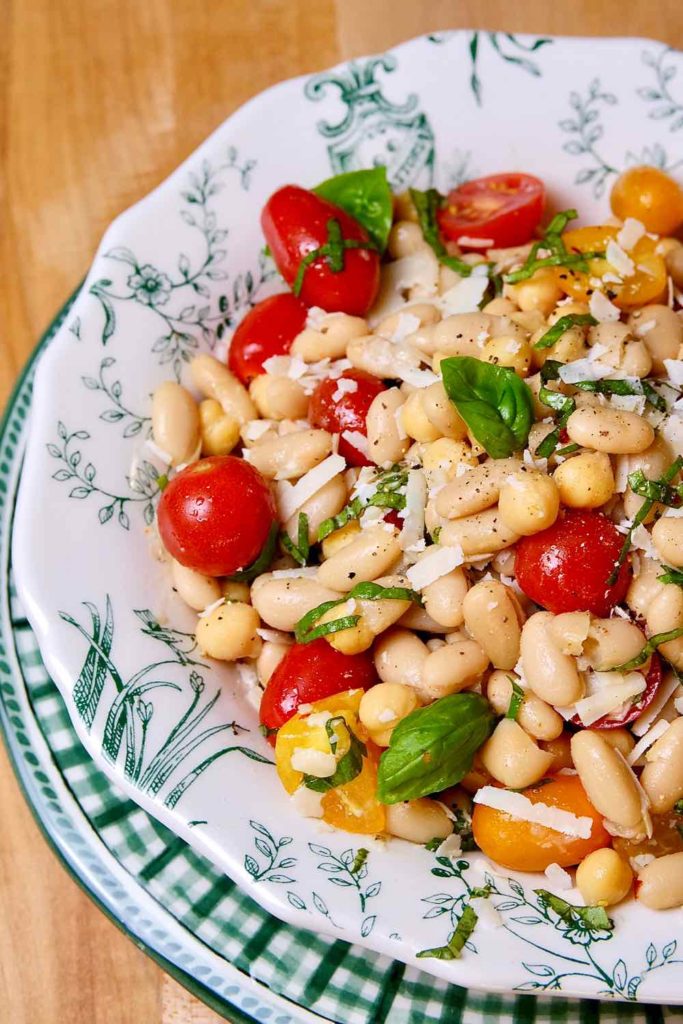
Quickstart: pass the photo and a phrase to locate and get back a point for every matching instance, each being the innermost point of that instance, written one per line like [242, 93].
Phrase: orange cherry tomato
[354, 806]
[647, 284]
[651, 196]
[525, 846]
[666, 838]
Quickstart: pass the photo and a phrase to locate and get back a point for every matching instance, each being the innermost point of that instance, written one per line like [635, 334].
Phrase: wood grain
[99, 101]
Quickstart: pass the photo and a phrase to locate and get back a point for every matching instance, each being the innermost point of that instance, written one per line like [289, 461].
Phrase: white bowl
[171, 275]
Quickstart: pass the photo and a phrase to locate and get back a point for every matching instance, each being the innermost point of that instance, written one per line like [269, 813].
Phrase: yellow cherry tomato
[650, 196]
[647, 284]
[354, 806]
[299, 731]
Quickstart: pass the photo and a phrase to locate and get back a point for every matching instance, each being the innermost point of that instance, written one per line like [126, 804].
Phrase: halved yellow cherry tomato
[651, 196]
[354, 806]
[299, 732]
[647, 284]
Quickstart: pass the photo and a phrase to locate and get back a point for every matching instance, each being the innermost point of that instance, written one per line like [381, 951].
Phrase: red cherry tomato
[504, 208]
[653, 680]
[311, 672]
[295, 222]
[346, 413]
[565, 568]
[267, 330]
[215, 516]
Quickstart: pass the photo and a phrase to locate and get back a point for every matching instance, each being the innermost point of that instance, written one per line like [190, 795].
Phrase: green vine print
[143, 482]
[349, 870]
[665, 106]
[270, 849]
[509, 48]
[586, 130]
[157, 289]
[580, 926]
[117, 412]
[128, 717]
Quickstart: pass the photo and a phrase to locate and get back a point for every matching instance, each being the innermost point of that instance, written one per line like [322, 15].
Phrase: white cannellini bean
[660, 884]
[663, 336]
[511, 756]
[479, 534]
[282, 602]
[195, 589]
[229, 632]
[491, 618]
[612, 642]
[418, 821]
[372, 553]
[664, 614]
[662, 777]
[322, 505]
[444, 598]
[610, 430]
[385, 443]
[214, 380]
[667, 537]
[399, 657]
[290, 456]
[536, 717]
[476, 490]
[610, 784]
[268, 660]
[552, 675]
[452, 668]
[278, 398]
[329, 339]
[175, 422]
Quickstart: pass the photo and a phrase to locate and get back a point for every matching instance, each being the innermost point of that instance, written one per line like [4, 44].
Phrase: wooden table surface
[99, 101]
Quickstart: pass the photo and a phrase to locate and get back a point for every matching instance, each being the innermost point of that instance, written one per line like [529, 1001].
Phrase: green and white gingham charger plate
[188, 916]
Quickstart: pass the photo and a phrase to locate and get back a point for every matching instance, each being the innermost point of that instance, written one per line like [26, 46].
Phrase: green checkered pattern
[333, 979]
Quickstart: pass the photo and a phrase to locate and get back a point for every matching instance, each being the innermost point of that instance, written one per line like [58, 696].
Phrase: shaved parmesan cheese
[519, 806]
[434, 564]
[316, 317]
[678, 704]
[417, 377]
[641, 539]
[345, 386]
[585, 369]
[622, 263]
[313, 762]
[450, 847]
[307, 802]
[275, 636]
[249, 680]
[211, 608]
[611, 691]
[291, 497]
[631, 232]
[294, 574]
[356, 440]
[558, 878]
[465, 296]
[674, 368]
[419, 271]
[414, 518]
[254, 429]
[629, 403]
[475, 243]
[318, 718]
[647, 741]
[406, 324]
[602, 309]
[664, 694]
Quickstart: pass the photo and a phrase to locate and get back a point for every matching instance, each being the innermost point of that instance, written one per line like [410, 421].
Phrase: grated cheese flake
[602, 309]
[558, 877]
[664, 694]
[356, 440]
[657, 730]
[631, 231]
[674, 368]
[519, 806]
[313, 762]
[291, 497]
[450, 847]
[610, 691]
[414, 518]
[345, 386]
[465, 296]
[307, 802]
[622, 263]
[437, 562]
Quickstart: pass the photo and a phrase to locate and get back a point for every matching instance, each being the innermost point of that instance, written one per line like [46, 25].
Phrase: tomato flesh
[565, 568]
[309, 673]
[503, 209]
[651, 196]
[295, 222]
[215, 516]
[648, 283]
[267, 330]
[526, 846]
[349, 412]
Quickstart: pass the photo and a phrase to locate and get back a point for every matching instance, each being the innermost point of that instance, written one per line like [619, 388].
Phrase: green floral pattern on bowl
[172, 276]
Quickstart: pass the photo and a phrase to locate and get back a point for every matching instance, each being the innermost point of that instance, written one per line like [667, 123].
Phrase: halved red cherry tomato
[653, 680]
[267, 330]
[295, 223]
[309, 673]
[565, 568]
[348, 412]
[503, 208]
[215, 516]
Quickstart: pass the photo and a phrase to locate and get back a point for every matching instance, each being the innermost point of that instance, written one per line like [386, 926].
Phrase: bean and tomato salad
[431, 506]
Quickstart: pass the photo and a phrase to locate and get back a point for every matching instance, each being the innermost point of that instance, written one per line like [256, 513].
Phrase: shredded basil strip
[552, 242]
[332, 251]
[305, 630]
[262, 562]
[348, 766]
[623, 387]
[556, 401]
[387, 495]
[641, 515]
[648, 650]
[426, 205]
[671, 575]
[359, 860]
[578, 919]
[467, 922]
[656, 490]
[366, 196]
[552, 336]
[494, 402]
[301, 549]
[516, 699]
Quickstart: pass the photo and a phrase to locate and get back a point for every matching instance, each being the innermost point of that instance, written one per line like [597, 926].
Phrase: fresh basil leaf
[433, 747]
[649, 649]
[348, 767]
[671, 575]
[390, 493]
[305, 630]
[493, 401]
[516, 699]
[260, 565]
[579, 919]
[426, 206]
[301, 549]
[454, 947]
[553, 335]
[365, 196]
